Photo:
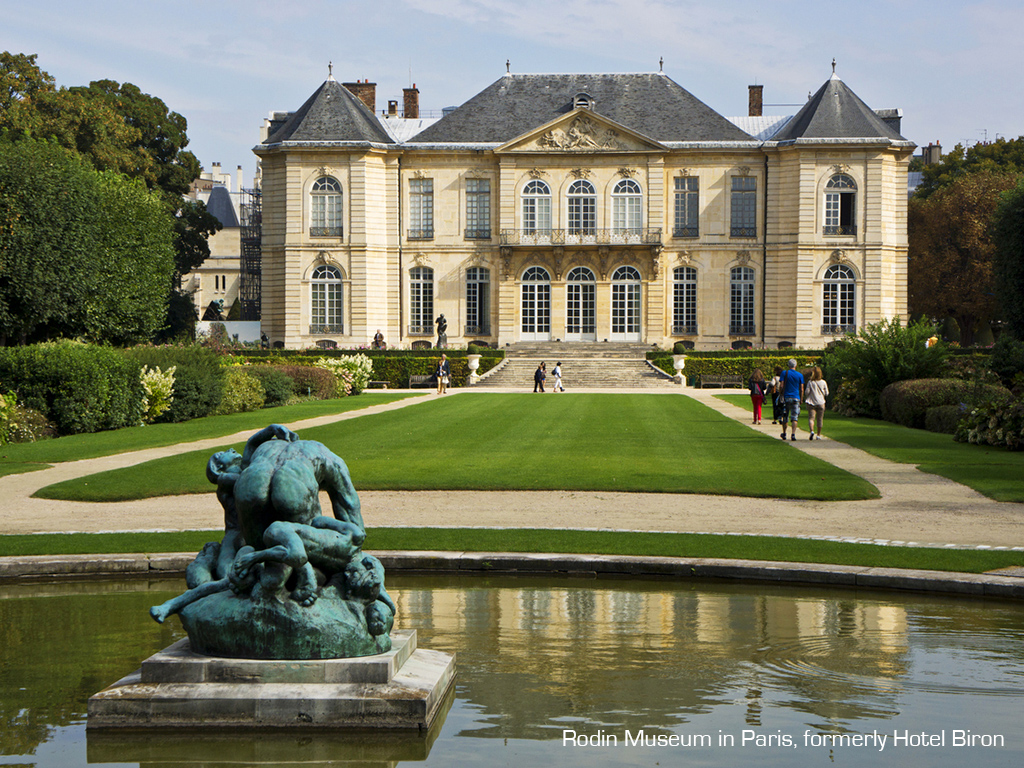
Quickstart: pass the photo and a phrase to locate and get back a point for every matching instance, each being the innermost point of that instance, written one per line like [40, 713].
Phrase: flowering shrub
[999, 423]
[242, 392]
[907, 402]
[7, 404]
[159, 391]
[352, 371]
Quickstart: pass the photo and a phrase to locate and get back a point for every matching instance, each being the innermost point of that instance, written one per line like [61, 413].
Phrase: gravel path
[914, 507]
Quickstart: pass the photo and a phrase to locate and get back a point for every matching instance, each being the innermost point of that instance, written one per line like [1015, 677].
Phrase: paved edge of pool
[158, 565]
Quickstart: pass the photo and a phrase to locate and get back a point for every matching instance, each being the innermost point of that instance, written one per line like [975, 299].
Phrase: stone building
[581, 208]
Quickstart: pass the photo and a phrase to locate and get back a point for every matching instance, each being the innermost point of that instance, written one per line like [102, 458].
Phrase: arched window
[840, 206]
[582, 201]
[580, 305]
[535, 305]
[326, 301]
[421, 300]
[626, 304]
[325, 208]
[536, 208]
[741, 301]
[838, 301]
[478, 303]
[684, 301]
[627, 208]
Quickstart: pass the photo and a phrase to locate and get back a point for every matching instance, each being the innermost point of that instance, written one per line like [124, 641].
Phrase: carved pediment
[581, 131]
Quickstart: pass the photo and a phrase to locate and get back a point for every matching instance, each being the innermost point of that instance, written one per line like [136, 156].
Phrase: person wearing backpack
[792, 382]
[758, 388]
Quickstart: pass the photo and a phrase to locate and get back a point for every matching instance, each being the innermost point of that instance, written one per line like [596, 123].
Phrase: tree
[82, 253]
[20, 79]
[1001, 155]
[1008, 265]
[950, 255]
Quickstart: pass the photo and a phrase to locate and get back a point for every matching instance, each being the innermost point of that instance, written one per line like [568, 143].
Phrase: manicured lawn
[568, 542]
[994, 472]
[587, 442]
[25, 457]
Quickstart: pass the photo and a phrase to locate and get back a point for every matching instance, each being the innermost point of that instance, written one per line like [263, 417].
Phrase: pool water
[576, 672]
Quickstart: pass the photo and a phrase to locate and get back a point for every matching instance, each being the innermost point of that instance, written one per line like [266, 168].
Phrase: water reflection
[537, 657]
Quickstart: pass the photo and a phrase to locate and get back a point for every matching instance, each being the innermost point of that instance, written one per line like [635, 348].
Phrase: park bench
[711, 380]
[419, 381]
[377, 384]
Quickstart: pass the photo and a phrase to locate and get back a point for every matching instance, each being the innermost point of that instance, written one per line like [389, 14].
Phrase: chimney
[755, 100]
[238, 175]
[393, 107]
[365, 91]
[412, 102]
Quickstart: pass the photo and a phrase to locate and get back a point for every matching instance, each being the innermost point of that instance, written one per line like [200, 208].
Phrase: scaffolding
[249, 282]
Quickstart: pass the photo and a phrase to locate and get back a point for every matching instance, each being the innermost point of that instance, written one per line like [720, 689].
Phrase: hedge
[198, 378]
[79, 387]
[907, 402]
[707, 365]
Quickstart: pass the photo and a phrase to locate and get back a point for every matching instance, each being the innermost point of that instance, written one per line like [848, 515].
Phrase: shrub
[944, 418]
[277, 387]
[311, 381]
[999, 422]
[27, 425]
[907, 402]
[159, 388]
[359, 367]
[883, 353]
[7, 405]
[242, 392]
[79, 387]
[1007, 361]
[198, 378]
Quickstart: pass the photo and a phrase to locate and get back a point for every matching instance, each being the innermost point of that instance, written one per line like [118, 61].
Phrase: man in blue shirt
[792, 382]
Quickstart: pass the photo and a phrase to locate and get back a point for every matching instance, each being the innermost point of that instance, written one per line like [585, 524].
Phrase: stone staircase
[598, 365]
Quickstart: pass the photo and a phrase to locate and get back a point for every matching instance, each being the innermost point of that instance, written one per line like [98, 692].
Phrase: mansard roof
[332, 113]
[650, 104]
[836, 112]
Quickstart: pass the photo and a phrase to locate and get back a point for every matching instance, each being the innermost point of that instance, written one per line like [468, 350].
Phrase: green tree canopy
[83, 253]
[999, 155]
[1008, 266]
[951, 252]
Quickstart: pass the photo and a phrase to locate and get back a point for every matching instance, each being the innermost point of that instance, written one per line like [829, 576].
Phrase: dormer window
[583, 101]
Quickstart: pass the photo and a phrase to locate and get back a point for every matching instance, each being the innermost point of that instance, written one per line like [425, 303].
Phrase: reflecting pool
[577, 672]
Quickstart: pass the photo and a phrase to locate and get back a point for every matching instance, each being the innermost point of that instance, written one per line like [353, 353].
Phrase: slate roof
[650, 104]
[836, 112]
[332, 113]
[220, 206]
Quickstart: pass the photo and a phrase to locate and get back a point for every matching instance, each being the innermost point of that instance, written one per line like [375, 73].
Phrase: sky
[954, 68]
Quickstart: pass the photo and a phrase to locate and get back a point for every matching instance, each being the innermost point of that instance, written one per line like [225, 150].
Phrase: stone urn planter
[679, 362]
[473, 363]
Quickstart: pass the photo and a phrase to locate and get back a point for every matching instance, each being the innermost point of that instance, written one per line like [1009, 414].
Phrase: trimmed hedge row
[697, 366]
[908, 402]
[198, 378]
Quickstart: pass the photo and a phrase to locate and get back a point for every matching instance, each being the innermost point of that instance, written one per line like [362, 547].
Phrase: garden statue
[442, 332]
[286, 581]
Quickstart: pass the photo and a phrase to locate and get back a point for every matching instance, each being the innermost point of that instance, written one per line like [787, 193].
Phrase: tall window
[627, 207]
[840, 205]
[687, 207]
[536, 208]
[839, 301]
[684, 300]
[325, 208]
[478, 209]
[580, 304]
[743, 211]
[741, 301]
[582, 208]
[536, 305]
[626, 304]
[325, 301]
[421, 300]
[478, 301]
[421, 209]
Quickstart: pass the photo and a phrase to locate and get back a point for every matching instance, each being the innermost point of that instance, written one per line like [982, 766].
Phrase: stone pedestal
[176, 688]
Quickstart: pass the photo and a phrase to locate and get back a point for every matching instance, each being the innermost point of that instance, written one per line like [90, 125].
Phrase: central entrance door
[625, 304]
[580, 306]
[536, 305]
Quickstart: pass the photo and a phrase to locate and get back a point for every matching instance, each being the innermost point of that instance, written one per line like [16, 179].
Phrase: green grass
[26, 457]
[994, 472]
[555, 541]
[586, 442]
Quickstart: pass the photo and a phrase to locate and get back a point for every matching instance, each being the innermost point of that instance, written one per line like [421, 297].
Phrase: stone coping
[1007, 583]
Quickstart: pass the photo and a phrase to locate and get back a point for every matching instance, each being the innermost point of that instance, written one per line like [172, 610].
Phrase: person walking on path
[538, 378]
[792, 392]
[757, 390]
[778, 404]
[814, 396]
[443, 373]
[557, 373]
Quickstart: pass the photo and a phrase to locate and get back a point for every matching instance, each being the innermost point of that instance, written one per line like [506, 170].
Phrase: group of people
[541, 375]
[788, 389]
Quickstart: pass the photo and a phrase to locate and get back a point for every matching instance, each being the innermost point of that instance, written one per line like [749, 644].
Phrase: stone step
[579, 373]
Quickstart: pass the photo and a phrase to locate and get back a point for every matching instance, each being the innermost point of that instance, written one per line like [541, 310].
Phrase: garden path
[914, 507]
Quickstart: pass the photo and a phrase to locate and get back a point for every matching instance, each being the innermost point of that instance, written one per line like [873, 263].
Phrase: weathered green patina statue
[286, 581]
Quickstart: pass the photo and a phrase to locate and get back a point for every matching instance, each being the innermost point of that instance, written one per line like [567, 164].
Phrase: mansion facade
[581, 208]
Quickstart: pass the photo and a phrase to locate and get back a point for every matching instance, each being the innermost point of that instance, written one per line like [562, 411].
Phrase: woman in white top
[814, 395]
[557, 373]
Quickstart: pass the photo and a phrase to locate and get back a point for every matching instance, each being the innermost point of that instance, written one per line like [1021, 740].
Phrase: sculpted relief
[582, 135]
